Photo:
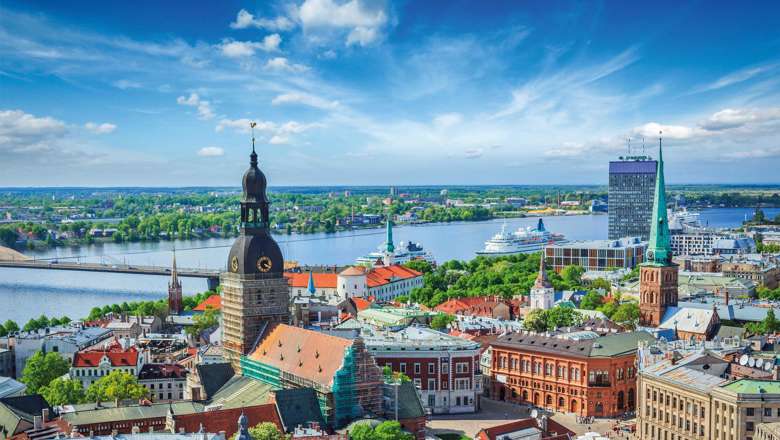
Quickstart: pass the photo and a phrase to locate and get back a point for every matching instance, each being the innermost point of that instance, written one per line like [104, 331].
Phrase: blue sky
[368, 92]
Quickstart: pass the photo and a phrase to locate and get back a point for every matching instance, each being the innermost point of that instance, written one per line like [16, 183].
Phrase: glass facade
[631, 191]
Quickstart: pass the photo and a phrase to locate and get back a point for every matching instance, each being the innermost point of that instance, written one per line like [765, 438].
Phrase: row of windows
[80, 372]
[689, 407]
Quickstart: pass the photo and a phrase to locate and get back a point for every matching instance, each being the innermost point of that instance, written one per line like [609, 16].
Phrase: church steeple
[174, 290]
[254, 201]
[390, 247]
[311, 288]
[541, 279]
[659, 250]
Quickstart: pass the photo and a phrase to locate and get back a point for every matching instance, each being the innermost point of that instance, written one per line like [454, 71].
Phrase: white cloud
[283, 64]
[203, 106]
[755, 153]
[733, 118]
[679, 132]
[20, 131]
[362, 23]
[277, 133]
[305, 99]
[446, 120]
[125, 84]
[239, 49]
[245, 19]
[103, 128]
[279, 140]
[211, 152]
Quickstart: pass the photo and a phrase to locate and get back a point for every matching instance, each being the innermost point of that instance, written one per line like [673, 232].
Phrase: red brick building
[577, 373]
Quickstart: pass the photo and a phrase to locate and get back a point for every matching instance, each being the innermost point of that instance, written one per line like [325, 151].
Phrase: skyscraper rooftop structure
[631, 189]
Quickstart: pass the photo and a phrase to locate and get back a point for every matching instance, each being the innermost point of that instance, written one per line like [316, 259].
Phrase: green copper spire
[659, 250]
[389, 241]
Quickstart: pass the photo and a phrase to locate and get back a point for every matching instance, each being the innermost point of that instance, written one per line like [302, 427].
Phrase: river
[26, 293]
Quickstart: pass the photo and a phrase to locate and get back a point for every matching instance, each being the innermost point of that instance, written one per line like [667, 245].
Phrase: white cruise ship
[522, 241]
[389, 254]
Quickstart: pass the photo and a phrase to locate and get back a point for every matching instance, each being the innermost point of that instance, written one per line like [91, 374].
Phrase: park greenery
[441, 320]
[201, 322]
[62, 391]
[769, 325]
[506, 277]
[116, 386]
[148, 308]
[541, 320]
[388, 430]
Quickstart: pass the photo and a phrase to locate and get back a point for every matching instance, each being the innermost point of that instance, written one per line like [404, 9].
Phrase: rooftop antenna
[252, 125]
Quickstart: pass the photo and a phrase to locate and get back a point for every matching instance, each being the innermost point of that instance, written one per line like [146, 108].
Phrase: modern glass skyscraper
[631, 191]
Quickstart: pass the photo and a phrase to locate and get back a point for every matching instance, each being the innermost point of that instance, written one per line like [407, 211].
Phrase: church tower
[542, 293]
[657, 275]
[255, 294]
[174, 291]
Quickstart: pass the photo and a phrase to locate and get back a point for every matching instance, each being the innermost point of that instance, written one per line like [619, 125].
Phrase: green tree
[601, 283]
[203, 321]
[41, 369]
[362, 432]
[592, 301]
[771, 325]
[391, 430]
[441, 321]
[116, 386]
[63, 391]
[627, 314]
[572, 275]
[11, 326]
[263, 431]
[419, 265]
[3, 331]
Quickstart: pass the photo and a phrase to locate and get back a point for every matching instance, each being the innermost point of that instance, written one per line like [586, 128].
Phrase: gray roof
[732, 312]
[298, 406]
[91, 413]
[214, 376]
[241, 391]
[726, 331]
[409, 405]
[605, 346]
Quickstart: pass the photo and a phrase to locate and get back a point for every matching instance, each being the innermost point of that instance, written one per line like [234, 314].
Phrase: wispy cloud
[245, 19]
[736, 77]
[239, 49]
[211, 152]
[305, 99]
[104, 128]
[362, 23]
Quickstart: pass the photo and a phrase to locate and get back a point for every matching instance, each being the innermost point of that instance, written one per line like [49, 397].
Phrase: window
[462, 367]
[403, 367]
[748, 426]
[431, 368]
[431, 400]
[416, 368]
[417, 383]
[445, 367]
[750, 412]
[431, 384]
[768, 412]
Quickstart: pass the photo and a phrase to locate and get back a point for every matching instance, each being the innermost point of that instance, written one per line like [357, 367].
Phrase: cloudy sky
[355, 92]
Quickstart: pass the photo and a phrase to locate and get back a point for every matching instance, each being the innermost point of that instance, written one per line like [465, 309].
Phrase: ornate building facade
[255, 293]
[542, 293]
[658, 275]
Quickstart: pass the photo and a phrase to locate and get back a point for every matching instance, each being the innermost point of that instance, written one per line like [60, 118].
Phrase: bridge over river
[211, 276]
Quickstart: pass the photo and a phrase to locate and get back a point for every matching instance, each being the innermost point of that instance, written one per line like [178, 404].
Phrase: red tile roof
[554, 429]
[360, 303]
[321, 280]
[381, 275]
[226, 419]
[117, 358]
[214, 301]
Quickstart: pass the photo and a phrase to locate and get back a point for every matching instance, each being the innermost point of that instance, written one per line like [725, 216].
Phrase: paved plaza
[493, 413]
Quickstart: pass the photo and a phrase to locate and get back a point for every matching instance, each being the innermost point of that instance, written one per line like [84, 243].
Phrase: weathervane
[252, 125]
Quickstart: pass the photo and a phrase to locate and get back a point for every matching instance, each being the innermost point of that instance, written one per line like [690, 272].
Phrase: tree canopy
[539, 320]
[63, 391]
[389, 430]
[41, 369]
[263, 431]
[116, 386]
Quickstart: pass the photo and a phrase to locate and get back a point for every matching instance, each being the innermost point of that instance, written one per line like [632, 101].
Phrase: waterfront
[28, 293]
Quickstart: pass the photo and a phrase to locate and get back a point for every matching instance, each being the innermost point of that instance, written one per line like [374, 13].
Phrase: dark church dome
[254, 182]
[255, 254]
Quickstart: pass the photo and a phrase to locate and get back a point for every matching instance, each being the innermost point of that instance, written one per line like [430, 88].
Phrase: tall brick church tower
[255, 294]
[657, 275]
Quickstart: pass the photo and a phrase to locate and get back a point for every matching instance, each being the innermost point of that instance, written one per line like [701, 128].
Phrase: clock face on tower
[234, 264]
[264, 264]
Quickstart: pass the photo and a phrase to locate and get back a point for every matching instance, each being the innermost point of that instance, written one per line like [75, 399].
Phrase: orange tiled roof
[381, 275]
[225, 419]
[353, 271]
[360, 303]
[321, 280]
[214, 301]
[306, 353]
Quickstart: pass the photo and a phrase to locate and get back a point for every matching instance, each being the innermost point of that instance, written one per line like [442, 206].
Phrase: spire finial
[252, 126]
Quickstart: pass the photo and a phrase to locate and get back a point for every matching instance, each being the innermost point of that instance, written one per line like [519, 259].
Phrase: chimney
[45, 414]
[37, 422]
[727, 297]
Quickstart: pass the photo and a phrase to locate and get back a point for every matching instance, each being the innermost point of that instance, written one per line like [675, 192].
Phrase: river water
[26, 293]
